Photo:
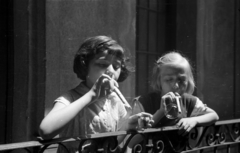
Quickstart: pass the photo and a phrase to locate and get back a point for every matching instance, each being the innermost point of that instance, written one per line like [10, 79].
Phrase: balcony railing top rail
[222, 133]
[39, 142]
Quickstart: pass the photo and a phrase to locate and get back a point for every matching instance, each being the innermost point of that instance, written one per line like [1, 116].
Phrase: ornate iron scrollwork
[154, 140]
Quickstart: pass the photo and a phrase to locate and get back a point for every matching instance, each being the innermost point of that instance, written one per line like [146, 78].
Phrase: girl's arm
[157, 116]
[207, 118]
[61, 114]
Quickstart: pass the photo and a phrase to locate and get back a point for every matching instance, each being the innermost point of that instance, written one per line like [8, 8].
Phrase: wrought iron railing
[223, 136]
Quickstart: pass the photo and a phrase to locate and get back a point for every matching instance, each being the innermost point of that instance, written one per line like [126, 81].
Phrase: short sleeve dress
[190, 106]
[99, 117]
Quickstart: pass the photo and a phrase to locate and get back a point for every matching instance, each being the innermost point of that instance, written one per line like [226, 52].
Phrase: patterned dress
[99, 117]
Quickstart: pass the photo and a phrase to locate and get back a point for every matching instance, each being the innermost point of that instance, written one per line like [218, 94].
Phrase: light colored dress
[99, 117]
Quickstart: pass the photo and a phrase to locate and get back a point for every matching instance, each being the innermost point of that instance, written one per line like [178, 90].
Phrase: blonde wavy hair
[174, 59]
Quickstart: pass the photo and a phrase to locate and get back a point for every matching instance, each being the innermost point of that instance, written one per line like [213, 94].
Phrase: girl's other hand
[186, 125]
[140, 121]
[171, 105]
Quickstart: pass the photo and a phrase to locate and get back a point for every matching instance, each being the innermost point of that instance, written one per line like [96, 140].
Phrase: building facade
[40, 39]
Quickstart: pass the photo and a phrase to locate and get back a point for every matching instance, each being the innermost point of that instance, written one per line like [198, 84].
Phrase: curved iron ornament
[110, 145]
[149, 142]
[88, 146]
[105, 145]
[215, 135]
[235, 132]
[159, 146]
[137, 148]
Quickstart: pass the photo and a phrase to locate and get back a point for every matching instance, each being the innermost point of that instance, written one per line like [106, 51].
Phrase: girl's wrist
[91, 94]
[161, 109]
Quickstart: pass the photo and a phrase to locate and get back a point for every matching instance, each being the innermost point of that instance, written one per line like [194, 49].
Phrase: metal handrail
[222, 133]
[40, 142]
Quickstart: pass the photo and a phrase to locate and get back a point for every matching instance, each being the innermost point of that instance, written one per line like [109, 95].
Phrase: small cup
[171, 106]
[142, 122]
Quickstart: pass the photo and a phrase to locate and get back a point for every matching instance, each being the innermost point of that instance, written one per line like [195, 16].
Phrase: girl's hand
[140, 121]
[103, 86]
[167, 98]
[186, 125]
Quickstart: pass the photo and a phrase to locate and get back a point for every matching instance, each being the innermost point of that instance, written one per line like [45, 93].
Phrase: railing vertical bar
[215, 149]
[228, 149]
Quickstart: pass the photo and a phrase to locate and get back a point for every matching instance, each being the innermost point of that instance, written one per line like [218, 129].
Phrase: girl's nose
[109, 70]
[175, 85]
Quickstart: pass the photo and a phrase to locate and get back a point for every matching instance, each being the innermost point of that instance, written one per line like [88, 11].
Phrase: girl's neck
[88, 84]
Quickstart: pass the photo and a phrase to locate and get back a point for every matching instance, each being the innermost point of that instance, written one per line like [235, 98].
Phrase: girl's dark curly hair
[91, 47]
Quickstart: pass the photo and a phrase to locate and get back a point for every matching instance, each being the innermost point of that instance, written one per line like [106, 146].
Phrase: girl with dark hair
[95, 105]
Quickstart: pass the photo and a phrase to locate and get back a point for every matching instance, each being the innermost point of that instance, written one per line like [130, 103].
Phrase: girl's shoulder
[68, 97]
[189, 103]
[151, 96]
[187, 98]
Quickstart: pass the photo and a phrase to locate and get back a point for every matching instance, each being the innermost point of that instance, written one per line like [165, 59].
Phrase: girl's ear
[83, 63]
[83, 69]
[80, 67]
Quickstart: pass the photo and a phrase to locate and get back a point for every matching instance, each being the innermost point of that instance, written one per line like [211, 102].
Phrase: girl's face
[173, 79]
[101, 63]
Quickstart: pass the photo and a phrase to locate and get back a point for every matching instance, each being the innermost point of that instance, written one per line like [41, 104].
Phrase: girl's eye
[103, 65]
[116, 66]
[182, 81]
[107, 64]
[169, 80]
